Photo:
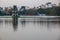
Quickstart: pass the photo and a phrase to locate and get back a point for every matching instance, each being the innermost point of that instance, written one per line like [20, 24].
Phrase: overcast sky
[30, 3]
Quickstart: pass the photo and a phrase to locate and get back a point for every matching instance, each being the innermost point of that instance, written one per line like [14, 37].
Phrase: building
[43, 6]
[7, 11]
[49, 5]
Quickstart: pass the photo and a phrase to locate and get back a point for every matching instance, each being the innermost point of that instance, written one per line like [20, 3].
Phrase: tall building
[49, 5]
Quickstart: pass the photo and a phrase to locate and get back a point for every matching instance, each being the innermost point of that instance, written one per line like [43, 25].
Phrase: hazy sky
[30, 3]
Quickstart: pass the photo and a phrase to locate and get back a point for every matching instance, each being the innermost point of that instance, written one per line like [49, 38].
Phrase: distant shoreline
[31, 16]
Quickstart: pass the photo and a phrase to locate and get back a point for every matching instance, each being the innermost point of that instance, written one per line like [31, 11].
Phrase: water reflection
[23, 23]
[38, 24]
[1, 24]
[15, 27]
[30, 30]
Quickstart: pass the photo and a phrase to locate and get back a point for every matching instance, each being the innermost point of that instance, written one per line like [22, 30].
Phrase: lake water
[30, 31]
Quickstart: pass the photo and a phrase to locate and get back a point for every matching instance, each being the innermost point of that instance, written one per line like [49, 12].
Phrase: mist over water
[30, 30]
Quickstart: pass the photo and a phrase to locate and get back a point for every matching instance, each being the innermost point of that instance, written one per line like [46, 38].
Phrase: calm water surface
[30, 31]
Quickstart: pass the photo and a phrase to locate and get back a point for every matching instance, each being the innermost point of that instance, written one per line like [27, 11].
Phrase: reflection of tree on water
[52, 25]
[48, 25]
[23, 23]
[45, 24]
[15, 17]
[59, 24]
[15, 27]
[58, 37]
[1, 25]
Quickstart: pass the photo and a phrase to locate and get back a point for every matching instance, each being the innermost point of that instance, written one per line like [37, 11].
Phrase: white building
[49, 5]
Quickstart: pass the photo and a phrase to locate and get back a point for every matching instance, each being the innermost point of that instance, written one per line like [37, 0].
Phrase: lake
[39, 30]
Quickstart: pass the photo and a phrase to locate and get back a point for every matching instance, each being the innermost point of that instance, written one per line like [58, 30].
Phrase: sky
[30, 3]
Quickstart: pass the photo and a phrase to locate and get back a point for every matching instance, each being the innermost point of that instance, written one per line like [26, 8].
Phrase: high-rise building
[49, 5]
